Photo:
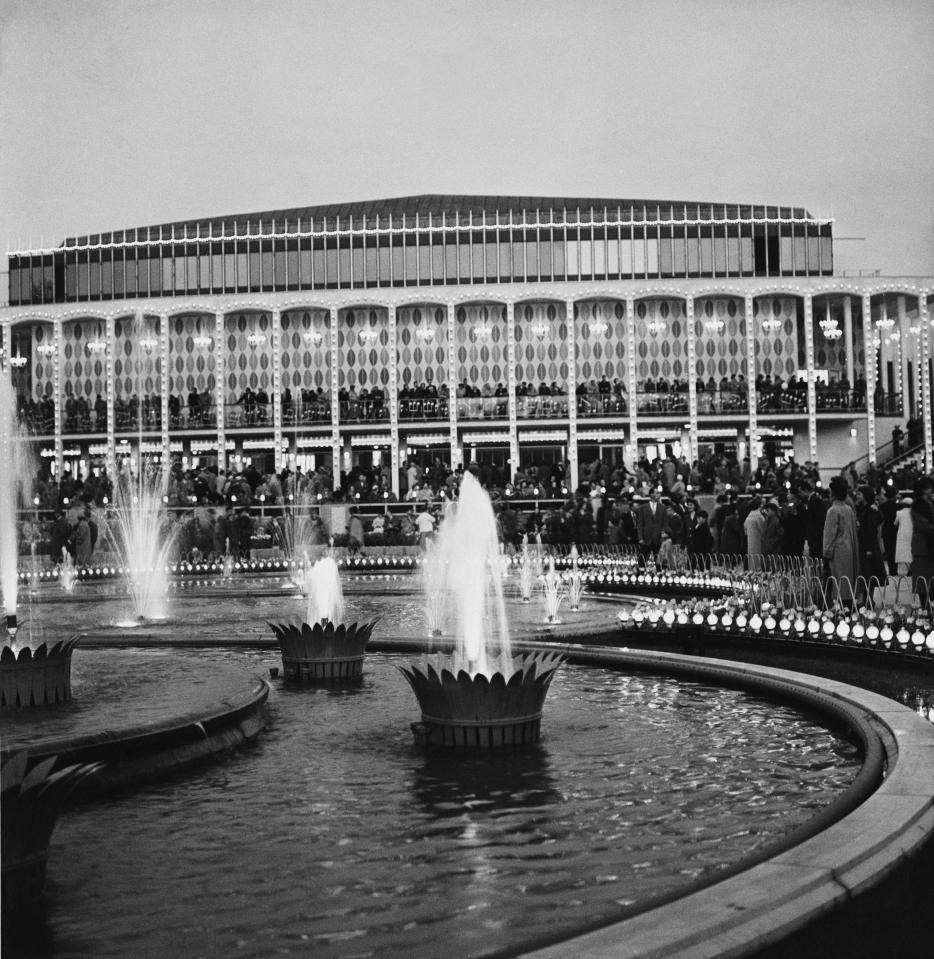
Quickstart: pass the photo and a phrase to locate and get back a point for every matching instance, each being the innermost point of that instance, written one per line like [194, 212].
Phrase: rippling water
[333, 835]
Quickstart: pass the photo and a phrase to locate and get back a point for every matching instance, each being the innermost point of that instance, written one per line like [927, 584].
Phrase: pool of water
[334, 835]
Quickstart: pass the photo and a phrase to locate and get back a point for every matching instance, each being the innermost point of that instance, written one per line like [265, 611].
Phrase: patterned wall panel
[721, 350]
[83, 373]
[137, 371]
[43, 368]
[305, 350]
[830, 355]
[601, 340]
[662, 353]
[481, 356]
[247, 366]
[421, 345]
[776, 353]
[191, 363]
[542, 344]
[363, 348]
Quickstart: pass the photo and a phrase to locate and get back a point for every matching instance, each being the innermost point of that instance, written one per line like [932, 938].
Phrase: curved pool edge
[768, 902]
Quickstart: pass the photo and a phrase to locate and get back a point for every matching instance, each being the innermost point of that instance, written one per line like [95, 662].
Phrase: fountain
[575, 582]
[67, 574]
[143, 540]
[552, 592]
[526, 571]
[480, 695]
[323, 648]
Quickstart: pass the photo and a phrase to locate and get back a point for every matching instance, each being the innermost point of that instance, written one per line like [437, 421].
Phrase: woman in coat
[841, 540]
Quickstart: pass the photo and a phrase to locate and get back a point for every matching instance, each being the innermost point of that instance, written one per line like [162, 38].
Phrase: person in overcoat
[651, 522]
[841, 540]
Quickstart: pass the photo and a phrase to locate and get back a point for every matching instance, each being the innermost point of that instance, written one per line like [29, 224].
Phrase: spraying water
[470, 580]
[144, 541]
[324, 593]
[14, 488]
[552, 590]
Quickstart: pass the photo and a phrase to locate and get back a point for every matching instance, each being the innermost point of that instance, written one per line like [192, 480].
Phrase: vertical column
[753, 428]
[333, 372]
[692, 376]
[870, 351]
[394, 399]
[511, 388]
[812, 385]
[111, 456]
[848, 339]
[573, 479]
[57, 393]
[164, 390]
[631, 379]
[451, 344]
[220, 376]
[925, 349]
[904, 346]
[277, 389]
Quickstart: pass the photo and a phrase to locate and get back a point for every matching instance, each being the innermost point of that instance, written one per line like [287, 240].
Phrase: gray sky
[120, 113]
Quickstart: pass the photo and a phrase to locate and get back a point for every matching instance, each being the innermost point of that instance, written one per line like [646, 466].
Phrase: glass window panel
[357, 265]
[826, 250]
[192, 273]
[204, 272]
[719, 254]
[463, 258]
[651, 252]
[397, 264]
[225, 279]
[745, 251]
[83, 281]
[385, 269]
[178, 275]
[317, 268]
[107, 278]
[586, 254]
[243, 276]
[544, 259]
[437, 262]
[800, 254]
[343, 264]
[612, 256]
[491, 260]
[785, 254]
[450, 261]
[304, 268]
[693, 254]
[476, 259]
[505, 260]
[330, 264]
[706, 258]
[137, 276]
[372, 265]
[664, 254]
[531, 258]
[599, 257]
[14, 285]
[168, 273]
[155, 275]
[48, 282]
[625, 257]
[518, 259]
[95, 281]
[291, 268]
[557, 249]
[266, 260]
[572, 257]
[424, 262]
[813, 254]
[254, 270]
[71, 280]
[411, 265]
[638, 256]
[680, 266]
[732, 254]
[121, 268]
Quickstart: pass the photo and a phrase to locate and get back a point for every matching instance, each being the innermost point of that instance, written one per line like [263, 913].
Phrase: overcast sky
[120, 113]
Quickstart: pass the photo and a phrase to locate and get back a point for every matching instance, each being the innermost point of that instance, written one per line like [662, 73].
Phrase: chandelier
[772, 324]
[656, 326]
[425, 333]
[540, 329]
[830, 328]
[202, 341]
[713, 324]
[45, 349]
[314, 337]
[97, 346]
[256, 339]
[17, 361]
[482, 331]
[885, 322]
[149, 343]
[598, 327]
[368, 337]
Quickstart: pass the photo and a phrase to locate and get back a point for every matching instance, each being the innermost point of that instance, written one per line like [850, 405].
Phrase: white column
[164, 389]
[848, 339]
[631, 379]
[394, 398]
[811, 379]
[220, 375]
[57, 393]
[277, 389]
[573, 479]
[924, 347]
[692, 376]
[111, 386]
[336, 450]
[904, 346]
[753, 429]
[451, 344]
[870, 352]
[511, 388]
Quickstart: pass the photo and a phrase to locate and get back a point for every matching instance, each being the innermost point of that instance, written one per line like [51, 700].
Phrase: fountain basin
[322, 652]
[479, 711]
[40, 677]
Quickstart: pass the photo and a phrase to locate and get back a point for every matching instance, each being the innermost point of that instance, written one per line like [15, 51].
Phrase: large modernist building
[516, 330]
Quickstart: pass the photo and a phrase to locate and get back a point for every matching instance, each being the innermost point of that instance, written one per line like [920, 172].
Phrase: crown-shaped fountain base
[480, 711]
[36, 677]
[322, 652]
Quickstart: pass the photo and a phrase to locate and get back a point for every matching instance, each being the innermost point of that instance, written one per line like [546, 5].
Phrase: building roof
[437, 204]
